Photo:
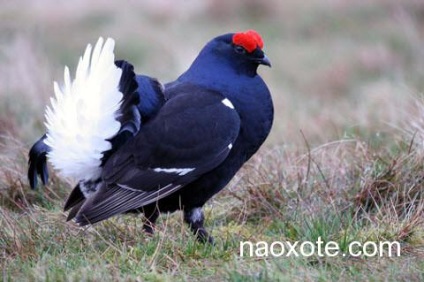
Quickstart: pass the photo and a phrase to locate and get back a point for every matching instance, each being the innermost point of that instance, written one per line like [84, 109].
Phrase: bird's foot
[195, 218]
[203, 236]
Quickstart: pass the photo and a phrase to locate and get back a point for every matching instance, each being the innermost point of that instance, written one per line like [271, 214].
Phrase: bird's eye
[239, 49]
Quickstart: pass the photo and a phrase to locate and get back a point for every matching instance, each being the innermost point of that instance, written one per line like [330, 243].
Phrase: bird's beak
[259, 57]
[265, 61]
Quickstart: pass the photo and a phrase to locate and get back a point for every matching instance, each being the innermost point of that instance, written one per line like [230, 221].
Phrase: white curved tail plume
[82, 114]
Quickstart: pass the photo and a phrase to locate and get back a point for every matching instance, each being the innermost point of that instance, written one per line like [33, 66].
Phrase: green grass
[343, 163]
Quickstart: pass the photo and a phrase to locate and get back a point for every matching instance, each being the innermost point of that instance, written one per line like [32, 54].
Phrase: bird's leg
[195, 218]
[151, 217]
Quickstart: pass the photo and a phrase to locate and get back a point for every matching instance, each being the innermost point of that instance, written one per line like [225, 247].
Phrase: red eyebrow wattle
[249, 40]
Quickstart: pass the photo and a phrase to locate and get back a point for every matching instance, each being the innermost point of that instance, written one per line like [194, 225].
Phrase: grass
[344, 161]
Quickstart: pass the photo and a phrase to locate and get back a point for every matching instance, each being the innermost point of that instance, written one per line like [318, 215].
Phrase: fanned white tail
[82, 114]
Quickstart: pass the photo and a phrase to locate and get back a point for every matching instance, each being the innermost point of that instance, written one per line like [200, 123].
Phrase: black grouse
[138, 146]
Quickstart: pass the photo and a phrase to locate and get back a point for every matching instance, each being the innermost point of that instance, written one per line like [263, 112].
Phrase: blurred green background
[340, 67]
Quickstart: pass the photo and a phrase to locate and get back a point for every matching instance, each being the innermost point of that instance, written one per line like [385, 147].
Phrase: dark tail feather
[38, 163]
[74, 198]
[129, 117]
[74, 211]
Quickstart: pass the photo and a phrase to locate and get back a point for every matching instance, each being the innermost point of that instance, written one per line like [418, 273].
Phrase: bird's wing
[192, 134]
[37, 164]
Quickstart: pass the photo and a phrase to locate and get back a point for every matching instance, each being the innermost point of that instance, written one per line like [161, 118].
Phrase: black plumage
[37, 163]
[187, 140]
[171, 151]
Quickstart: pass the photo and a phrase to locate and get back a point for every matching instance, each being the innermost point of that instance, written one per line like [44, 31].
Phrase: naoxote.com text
[318, 248]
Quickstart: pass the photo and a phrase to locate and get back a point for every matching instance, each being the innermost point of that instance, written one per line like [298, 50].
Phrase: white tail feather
[82, 113]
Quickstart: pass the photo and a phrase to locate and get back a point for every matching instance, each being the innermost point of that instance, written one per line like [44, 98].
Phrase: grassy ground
[344, 161]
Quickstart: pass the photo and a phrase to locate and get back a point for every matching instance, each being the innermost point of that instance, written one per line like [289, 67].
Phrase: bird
[138, 146]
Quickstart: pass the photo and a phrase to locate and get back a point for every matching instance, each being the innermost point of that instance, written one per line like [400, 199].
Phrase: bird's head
[243, 51]
[239, 53]
[248, 46]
